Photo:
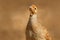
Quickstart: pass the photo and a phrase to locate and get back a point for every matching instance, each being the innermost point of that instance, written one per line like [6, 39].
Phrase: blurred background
[14, 15]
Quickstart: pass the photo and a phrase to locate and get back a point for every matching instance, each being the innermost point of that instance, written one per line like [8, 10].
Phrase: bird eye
[35, 8]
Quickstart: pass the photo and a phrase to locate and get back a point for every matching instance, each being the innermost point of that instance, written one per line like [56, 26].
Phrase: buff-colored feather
[39, 32]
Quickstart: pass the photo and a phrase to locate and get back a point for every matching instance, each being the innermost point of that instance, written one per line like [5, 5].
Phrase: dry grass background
[14, 17]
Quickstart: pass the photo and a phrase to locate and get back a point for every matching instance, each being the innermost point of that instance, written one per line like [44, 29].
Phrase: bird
[36, 30]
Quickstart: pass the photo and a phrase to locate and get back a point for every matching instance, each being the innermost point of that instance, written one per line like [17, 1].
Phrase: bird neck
[33, 19]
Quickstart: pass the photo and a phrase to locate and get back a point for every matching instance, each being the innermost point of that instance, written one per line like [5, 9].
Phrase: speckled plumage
[38, 31]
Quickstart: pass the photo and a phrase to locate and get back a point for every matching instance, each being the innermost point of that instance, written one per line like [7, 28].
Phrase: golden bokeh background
[14, 17]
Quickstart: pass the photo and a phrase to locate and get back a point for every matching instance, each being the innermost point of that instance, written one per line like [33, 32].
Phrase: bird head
[33, 9]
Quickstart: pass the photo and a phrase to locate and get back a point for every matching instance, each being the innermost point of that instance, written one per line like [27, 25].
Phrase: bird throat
[33, 19]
